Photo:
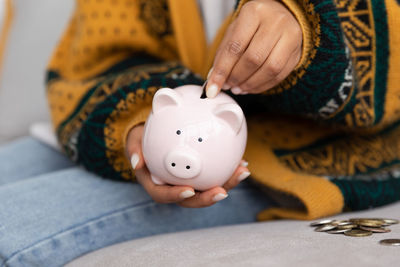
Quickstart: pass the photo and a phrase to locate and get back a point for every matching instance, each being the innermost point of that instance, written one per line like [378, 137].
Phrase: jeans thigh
[56, 217]
[27, 157]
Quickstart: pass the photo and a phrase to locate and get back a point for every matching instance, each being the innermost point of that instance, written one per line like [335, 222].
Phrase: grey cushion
[277, 243]
[36, 28]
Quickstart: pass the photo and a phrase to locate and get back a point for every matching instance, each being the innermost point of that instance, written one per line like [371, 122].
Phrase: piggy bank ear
[165, 97]
[232, 114]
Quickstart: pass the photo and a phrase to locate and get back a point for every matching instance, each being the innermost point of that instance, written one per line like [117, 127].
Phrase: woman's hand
[182, 195]
[260, 49]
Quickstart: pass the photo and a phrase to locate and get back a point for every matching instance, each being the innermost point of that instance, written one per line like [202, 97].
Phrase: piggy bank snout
[183, 163]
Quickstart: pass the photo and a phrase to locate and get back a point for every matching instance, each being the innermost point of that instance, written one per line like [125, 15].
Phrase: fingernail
[219, 197]
[134, 160]
[226, 86]
[244, 93]
[244, 163]
[186, 194]
[212, 91]
[243, 176]
[209, 72]
[236, 90]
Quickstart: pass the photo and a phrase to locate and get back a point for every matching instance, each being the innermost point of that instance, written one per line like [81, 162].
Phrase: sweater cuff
[140, 118]
[300, 15]
[118, 125]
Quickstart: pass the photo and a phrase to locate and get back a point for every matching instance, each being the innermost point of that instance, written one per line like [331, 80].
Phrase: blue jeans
[52, 211]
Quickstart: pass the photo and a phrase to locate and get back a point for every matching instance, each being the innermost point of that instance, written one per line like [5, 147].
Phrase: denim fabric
[62, 211]
[28, 157]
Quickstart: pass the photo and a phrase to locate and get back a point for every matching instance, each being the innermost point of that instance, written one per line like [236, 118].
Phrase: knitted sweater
[328, 136]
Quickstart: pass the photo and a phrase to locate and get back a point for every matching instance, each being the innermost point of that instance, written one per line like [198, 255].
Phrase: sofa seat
[275, 243]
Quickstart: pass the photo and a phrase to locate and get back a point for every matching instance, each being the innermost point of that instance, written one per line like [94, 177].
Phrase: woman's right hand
[184, 196]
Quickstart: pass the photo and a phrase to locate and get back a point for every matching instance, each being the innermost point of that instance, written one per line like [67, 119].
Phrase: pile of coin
[358, 227]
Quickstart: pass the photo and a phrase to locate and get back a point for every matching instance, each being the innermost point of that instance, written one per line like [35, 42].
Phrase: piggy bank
[194, 141]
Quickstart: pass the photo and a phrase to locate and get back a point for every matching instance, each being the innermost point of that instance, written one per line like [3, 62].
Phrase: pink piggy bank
[192, 141]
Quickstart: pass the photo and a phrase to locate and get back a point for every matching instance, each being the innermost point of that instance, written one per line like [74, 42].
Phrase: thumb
[134, 147]
[137, 160]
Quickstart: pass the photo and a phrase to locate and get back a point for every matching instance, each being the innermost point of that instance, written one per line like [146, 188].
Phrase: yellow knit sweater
[326, 137]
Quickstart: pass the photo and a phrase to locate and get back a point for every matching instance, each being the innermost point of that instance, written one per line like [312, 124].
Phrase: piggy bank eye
[178, 132]
[200, 139]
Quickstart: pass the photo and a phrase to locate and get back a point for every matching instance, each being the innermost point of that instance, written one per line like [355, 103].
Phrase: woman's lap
[28, 157]
[52, 218]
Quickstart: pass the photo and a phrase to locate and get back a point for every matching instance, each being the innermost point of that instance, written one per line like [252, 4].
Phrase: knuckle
[274, 82]
[281, 17]
[230, 185]
[205, 202]
[251, 7]
[254, 60]
[171, 197]
[247, 86]
[278, 79]
[297, 56]
[234, 48]
[297, 32]
[218, 71]
[275, 67]
[233, 80]
[158, 198]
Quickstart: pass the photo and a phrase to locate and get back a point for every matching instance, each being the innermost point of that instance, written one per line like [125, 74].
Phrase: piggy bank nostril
[183, 163]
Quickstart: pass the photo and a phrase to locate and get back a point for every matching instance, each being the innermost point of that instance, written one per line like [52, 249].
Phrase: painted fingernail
[226, 86]
[219, 197]
[244, 163]
[236, 90]
[243, 176]
[209, 72]
[134, 160]
[186, 194]
[212, 91]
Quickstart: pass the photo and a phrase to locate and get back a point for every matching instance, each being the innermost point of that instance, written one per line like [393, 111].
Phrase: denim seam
[141, 204]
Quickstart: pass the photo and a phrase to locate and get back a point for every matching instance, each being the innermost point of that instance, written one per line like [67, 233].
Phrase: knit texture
[327, 136]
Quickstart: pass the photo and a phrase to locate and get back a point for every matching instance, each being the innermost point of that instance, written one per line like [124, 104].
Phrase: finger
[205, 199]
[273, 66]
[244, 163]
[134, 147]
[292, 63]
[163, 193]
[240, 174]
[137, 159]
[231, 48]
[238, 91]
[255, 55]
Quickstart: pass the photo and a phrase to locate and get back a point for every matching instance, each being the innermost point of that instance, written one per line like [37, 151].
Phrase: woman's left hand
[259, 50]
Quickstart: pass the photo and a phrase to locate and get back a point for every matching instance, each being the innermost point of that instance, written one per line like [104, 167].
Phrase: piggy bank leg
[156, 180]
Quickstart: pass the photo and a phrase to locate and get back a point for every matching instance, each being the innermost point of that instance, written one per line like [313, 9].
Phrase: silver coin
[321, 222]
[391, 221]
[338, 231]
[390, 242]
[325, 227]
[341, 222]
[375, 229]
[347, 226]
[386, 221]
